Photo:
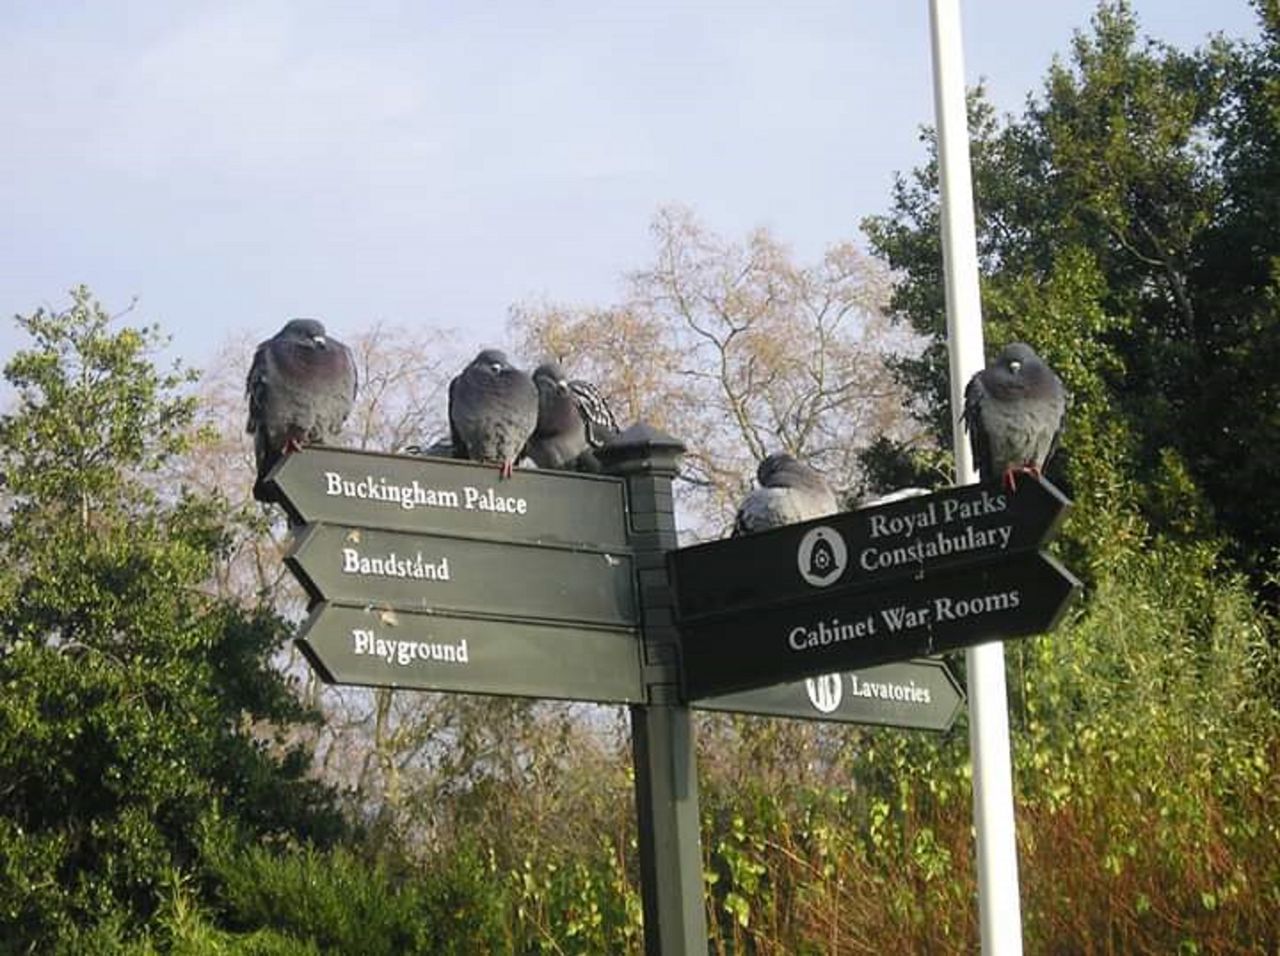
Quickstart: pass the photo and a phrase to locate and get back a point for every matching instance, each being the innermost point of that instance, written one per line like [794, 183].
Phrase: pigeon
[493, 410]
[301, 387]
[1013, 411]
[573, 421]
[790, 491]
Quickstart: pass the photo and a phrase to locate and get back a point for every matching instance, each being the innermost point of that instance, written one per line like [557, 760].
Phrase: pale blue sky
[431, 163]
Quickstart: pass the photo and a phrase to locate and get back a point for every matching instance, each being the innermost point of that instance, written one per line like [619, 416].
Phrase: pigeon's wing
[350, 360]
[257, 387]
[979, 442]
[595, 411]
[1062, 422]
[459, 448]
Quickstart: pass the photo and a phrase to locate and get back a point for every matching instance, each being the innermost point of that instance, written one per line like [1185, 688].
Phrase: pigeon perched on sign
[301, 387]
[790, 491]
[493, 409]
[573, 421]
[1013, 411]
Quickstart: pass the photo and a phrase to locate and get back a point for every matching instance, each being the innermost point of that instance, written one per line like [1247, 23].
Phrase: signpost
[920, 695]
[435, 574]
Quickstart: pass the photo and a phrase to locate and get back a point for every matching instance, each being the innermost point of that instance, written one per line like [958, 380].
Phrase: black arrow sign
[380, 647]
[921, 695]
[865, 548]
[1014, 596]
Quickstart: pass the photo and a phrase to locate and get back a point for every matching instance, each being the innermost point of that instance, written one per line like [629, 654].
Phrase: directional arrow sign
[388, 648]
[920, 695]
[413, 572]
[439, 495]
[865, 548]
[1015, 596]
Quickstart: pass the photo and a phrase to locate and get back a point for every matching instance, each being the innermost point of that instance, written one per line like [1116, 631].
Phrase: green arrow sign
[1015, 596]
[439, 495]
[380, 647]
[865, 548]
[413, 572]
[920, 695]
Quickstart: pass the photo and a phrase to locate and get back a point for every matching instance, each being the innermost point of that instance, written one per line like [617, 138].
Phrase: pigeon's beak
[320, 341]
[1014, 366]
[562, 386]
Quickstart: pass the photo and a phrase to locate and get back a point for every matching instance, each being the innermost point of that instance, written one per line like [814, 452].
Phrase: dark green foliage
[335, 902]
[1127, 229]
[128, 691]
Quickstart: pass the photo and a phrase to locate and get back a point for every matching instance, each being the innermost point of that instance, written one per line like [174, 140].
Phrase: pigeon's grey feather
[1013, 412]
[789, 492]
[301, 388]
[573, 421]
[493, 410]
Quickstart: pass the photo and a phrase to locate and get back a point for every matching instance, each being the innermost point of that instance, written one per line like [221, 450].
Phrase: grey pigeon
[493, 409]
[1013, 411]
[301, 387]
[790, 491]
[573, 421]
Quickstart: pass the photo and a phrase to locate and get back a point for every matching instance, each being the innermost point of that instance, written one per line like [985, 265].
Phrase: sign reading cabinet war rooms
[909, 578]
[434, 574]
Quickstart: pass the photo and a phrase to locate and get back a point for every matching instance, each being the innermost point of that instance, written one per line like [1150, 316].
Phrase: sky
[234, 164]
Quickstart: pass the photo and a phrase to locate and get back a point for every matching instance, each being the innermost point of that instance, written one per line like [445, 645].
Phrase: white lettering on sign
[917, 547]
[938, 545]
[803, 638]
[908, 693]
[403, 653]
[901, 617]
[392, 565]
[415, 495]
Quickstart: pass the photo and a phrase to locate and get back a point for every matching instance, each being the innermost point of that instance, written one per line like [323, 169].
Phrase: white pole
[998, 903]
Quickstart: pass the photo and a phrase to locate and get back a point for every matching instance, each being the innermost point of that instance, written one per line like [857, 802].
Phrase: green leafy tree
[1107, 213]
[136, 707]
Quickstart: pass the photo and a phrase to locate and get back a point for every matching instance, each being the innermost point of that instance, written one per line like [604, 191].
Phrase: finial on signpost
[641, 448]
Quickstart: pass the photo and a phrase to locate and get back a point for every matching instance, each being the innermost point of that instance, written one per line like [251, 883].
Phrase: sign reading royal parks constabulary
[867, 546]
[919, 694]
[907, 579]
[437, 574]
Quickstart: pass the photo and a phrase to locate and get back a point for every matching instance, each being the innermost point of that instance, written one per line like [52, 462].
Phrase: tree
[138, 708]
[1100, 212]
[738, 351]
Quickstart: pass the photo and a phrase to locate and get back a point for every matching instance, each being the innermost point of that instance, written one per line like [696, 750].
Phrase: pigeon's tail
[265, 493]
[261, 490]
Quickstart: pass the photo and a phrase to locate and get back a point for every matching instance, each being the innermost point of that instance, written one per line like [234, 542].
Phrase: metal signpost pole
[999, 907]
[661, 729]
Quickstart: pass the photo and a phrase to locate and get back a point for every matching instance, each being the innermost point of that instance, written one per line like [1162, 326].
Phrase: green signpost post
[434, 574]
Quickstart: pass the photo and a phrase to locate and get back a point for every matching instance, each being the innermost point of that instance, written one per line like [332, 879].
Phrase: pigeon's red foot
[291, 444]
[1009, 479]
[506, 469]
